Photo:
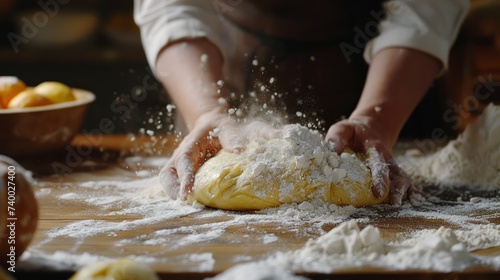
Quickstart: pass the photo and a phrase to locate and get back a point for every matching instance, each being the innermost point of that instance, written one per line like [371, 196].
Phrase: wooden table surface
[239, 242]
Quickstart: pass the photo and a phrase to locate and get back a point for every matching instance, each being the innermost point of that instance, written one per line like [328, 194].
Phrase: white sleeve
[164, 21]
[430, 26]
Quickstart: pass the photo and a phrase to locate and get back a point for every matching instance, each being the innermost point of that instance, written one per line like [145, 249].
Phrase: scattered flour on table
[204, 261]
[257, 271]
[69, 196]
[60, 260]
[346, 245]
[269, 238]
[337, 249]
[473, 159]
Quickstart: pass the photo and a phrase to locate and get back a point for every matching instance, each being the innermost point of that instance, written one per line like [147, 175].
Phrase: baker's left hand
[361, 135]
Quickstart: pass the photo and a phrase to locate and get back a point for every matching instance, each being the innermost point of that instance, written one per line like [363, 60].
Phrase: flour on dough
[297, 166]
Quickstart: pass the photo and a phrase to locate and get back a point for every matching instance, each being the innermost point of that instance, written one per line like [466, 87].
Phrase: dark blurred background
[89, 44]
[95, 45]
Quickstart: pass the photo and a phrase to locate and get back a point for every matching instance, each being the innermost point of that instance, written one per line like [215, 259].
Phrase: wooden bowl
[39, 130]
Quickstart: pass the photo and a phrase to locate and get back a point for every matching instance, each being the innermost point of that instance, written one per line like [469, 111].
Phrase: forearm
[397, 81]
[190, 80]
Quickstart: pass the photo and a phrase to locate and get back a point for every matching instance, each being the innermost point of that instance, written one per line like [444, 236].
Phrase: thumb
[338, 136]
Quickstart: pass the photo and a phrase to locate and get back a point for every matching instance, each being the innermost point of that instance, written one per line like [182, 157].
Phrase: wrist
[210, 118]
[205, 110]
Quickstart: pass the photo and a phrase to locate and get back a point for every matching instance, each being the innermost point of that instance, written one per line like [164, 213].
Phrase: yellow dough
[122, 269]
[296, 167]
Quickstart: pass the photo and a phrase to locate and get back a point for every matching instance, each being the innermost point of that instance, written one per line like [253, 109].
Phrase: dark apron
[288, 55]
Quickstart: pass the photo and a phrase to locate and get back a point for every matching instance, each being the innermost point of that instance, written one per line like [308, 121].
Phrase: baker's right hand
[212, 132]
[177, 176]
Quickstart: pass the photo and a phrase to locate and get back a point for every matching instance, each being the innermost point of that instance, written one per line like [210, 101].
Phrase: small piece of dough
[296, 167]
[122, 269]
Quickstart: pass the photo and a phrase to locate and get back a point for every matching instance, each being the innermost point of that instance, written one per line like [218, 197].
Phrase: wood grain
[238, 243]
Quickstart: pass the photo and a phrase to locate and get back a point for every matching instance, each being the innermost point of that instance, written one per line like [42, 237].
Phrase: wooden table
[252, 238]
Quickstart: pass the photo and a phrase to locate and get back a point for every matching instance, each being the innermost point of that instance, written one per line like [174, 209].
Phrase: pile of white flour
[473, 159]
[347, 246]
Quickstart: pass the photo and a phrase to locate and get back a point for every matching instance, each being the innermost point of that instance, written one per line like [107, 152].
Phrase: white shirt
[430, 26]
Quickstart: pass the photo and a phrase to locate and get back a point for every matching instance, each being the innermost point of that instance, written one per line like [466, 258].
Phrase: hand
[177, 176]
[212, 132]
[362, 134]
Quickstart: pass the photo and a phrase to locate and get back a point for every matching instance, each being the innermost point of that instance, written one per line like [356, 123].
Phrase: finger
[177, 176]
[185, 172]
[195, 153]
[380, 172]
[417, 197]
[169, 180]
[232, 142]
[338, 136]
[400, 183]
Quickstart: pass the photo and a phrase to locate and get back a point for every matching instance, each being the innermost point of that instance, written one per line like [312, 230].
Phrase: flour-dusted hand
[177, 176]
[191, 71]
[212, 132]
[359, 136]
[397, 80]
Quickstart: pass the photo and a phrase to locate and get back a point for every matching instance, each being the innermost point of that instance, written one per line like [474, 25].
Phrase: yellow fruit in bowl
[9, 87]
[28, 98]
[55, 92]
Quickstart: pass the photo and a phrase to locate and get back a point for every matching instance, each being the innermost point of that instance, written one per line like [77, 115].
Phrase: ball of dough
[122, 269]
[9, 87]
[55, 92]
[19, 214]
[296, 167]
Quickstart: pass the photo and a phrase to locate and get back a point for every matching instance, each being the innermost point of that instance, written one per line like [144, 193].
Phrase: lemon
[55, 92]
[9, 87]
[28, 98]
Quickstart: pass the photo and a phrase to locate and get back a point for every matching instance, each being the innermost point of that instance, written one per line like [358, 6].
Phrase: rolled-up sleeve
[430, 26]
[164, 21]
